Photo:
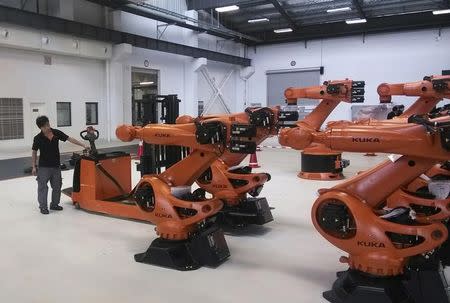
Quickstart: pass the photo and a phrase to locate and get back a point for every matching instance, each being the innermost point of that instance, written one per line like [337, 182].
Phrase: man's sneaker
[44, 211]
[57, 207]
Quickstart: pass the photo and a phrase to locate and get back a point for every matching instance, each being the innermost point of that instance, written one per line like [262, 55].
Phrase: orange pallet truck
[225, 178]
[185, 222]
[391, 255]
[317, 161]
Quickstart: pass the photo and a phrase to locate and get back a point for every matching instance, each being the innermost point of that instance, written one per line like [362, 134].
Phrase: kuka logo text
[366, 140]
[219, 186]
[371, 244]
[162, 135]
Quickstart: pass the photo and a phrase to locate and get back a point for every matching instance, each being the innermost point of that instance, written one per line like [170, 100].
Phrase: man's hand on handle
[76, 142]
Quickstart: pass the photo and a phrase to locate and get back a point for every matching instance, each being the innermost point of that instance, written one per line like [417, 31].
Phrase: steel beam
[374, 25]
[285, 15]
[82, 30]
[357, 4]
[208, 4]
[130, 7]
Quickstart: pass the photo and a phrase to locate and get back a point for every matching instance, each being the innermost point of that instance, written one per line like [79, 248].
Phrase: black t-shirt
[49, 150]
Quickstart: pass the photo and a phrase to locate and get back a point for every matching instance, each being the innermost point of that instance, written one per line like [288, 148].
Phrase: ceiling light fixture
[338, 10]
[258, 20]
[224, 9]
[355, 21]
[146, 83]
[441, 12]
[283, 30]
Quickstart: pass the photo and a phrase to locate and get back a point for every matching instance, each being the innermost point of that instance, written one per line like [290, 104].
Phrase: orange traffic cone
[253, 161]
[140, 150]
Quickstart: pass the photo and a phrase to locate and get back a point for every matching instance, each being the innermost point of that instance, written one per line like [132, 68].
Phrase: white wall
[24, 75]
[220, 45]
[389, 57]
[154, 29]
[109, 80]
[177, 74]
[171, 75]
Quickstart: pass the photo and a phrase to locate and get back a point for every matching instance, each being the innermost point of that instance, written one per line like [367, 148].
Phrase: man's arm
[33, 162]
[76, 142]
[63, 137]
[34, 148]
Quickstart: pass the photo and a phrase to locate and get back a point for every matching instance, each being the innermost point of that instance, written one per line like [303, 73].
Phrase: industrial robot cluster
[390, 220]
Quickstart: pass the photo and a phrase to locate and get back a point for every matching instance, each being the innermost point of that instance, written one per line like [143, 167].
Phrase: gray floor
[74, 256]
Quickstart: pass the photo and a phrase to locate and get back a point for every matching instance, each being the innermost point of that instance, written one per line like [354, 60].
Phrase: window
[91, 113]
[11, 118]
[63, 114]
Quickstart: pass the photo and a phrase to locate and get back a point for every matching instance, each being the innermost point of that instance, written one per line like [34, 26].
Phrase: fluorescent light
[283, 30]
[355, 21]
[337, 10]
[441, 12]
[227, 8]
[146, 83]
[258, 20]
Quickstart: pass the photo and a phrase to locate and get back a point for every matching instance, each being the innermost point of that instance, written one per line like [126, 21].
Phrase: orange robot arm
[163, 134]
[257, 123]
[433, 87]
[350, 214]
[430, 91]
[331, 93]
[177, 218]
[362, 138]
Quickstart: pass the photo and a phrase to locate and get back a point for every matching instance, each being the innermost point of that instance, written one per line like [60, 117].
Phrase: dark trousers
[52, 174]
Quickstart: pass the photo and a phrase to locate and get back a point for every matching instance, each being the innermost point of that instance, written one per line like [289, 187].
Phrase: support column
[119, 87]
[190, 98]
[242, 100]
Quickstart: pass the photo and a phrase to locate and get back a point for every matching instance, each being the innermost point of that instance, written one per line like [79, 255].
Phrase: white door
[37, 109]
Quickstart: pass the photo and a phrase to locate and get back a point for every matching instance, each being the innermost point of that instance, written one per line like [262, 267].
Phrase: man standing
[47, 142]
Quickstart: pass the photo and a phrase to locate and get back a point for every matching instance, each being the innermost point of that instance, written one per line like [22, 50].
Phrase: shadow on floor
[247, 231]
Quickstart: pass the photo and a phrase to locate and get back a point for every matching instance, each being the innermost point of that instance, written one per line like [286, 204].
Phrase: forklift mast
[159, 109]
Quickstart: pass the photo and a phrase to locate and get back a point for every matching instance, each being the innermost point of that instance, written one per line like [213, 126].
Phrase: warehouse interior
[300, 145]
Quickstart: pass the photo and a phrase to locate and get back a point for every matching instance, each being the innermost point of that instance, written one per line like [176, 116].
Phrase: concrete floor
[75, 256]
